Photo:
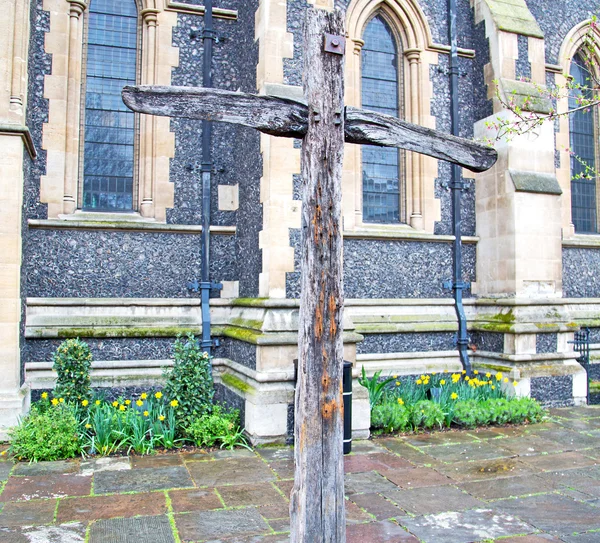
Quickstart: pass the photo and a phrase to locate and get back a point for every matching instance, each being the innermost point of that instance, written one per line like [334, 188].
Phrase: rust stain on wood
[329, 409]
[332, 311]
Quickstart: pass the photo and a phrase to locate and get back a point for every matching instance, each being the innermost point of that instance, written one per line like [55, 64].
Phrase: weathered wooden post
[317, 504]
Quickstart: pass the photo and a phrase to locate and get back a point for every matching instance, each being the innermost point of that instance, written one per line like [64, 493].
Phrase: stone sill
[125, 224]
[402, 233]
[590, 241]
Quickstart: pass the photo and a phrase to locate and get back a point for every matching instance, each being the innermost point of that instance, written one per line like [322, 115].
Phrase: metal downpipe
[457, 186]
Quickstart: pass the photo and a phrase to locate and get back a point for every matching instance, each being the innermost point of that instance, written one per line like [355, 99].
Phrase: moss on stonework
[242, 334]
[251, 302]
[594, 387]
[236, 383]
[127, 332]
[247, 323]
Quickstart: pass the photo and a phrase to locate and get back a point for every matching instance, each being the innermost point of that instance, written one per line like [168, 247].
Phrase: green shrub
[46, 435]
[390, 417]
[219, 427]
[189, 382]
[375, 385]
[426, 414]
[470, 413]
[72, 362]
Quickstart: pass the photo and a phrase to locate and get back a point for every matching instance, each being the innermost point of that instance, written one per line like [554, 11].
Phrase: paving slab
[584, 411]
[105, 463]
[378, 532]
[565, 461]
[367, 482]
[285, 487]
[465, 527]
[277, 538]
[156, 461]
[440, 438]
[374, 462]
[367, 446]
[415, 478]
[67, 533]
[271, 454]
[507, 487]
[33, 513]
[433, 499]
[487, 469]
[230, 471]
[590, 537]
[49, 486]
[528, 445]
[45, 468]
[184, 501]
[378, 506]
[583, 425]
[537, 538]
[284, 469]
[5, 469]
[245, 495]
[226, 524]
[465, 452]
[407, 452]
[280, 510]
[156, 529]
[553, 513]
[142, 480]
[354, 514]
[105, 507]
[569, 439]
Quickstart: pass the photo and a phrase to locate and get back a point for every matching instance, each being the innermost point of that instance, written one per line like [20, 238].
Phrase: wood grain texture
[317, 511]
[288, 118]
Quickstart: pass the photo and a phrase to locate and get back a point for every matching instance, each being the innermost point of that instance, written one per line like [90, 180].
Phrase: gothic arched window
[109, 126]
[380, 91]
[583, 137]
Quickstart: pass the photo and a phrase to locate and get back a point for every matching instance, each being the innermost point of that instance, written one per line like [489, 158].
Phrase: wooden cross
[317, 503]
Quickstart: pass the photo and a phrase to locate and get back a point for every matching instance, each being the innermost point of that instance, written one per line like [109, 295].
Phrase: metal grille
[108, 164]
[583, 149]
[380, 92]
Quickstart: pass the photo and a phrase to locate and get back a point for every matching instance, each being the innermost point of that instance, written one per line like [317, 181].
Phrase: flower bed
[445, 399]
[71, 420]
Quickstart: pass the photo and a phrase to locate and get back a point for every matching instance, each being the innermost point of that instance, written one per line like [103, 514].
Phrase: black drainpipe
[208, 37]
[457, 186]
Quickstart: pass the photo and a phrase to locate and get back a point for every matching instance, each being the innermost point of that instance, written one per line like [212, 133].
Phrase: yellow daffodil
[44, 395]
[61, 400]
[423, 377]
[85, 403]
[397, 383]
[122, 408]
[488, 374]
[98, 402]
[143, 396]
[493, 387]
[139, 403]
[506, 379]
[400, 401]
[446, 371]
[454, 396]
[395, 376]
[515, 383]
[174, 403]
[442, 382]
[499, 376]
[146, 413]
[115, 403]
[419, 382]
[88, 426]
[54, 401]
[467, 378]
[463, 371]
[158, 395]
[161, 417]
[127, 402]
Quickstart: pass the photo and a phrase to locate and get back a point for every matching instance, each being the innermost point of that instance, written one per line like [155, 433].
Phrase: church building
[103, 234]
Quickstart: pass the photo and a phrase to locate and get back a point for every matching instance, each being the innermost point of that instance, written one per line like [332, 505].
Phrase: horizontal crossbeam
[288, 118]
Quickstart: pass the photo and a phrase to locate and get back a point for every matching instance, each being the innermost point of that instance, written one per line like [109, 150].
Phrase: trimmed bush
[72, 363]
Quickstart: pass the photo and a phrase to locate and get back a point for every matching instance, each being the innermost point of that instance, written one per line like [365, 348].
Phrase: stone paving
[532, 484]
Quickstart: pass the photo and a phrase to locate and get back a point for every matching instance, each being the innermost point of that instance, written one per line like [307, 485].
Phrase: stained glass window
[380, 92]
[583, 148]
[108, 164]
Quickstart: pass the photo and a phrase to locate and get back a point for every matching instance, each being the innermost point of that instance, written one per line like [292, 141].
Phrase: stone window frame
[571, 45]
[64, 89]
[411, 29]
